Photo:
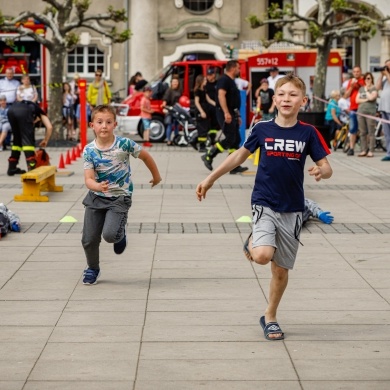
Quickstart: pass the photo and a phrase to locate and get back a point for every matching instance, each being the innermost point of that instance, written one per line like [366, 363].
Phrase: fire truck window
[175, 72]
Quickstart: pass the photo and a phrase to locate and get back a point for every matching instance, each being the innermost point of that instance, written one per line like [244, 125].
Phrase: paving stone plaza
[180, 308]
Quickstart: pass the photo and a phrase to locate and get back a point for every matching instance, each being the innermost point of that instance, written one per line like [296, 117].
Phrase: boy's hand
[104, 186]
[316, 172]
[155, 181]
[202, 188]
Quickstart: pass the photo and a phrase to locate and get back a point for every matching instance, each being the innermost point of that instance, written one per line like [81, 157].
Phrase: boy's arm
[322, 170]
[231, 162]
[151, 165]
[92, 184]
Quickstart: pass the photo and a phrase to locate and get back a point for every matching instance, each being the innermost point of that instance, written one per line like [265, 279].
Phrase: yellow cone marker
[68, 219]
[244, 218]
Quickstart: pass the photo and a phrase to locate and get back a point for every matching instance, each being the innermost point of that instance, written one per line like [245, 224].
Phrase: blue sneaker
[386, 158]
[119, 247]
[90, 276]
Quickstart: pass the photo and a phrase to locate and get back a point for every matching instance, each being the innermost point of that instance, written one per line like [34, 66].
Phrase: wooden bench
[38, 180]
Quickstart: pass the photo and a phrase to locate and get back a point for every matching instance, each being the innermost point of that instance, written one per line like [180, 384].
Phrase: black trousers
[230, 131]
[21, 119]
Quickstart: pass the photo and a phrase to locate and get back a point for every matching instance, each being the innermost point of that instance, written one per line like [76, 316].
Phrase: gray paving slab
[180, 308]
[12, 385]
[79, 385]
[217, 369]
[347, 385]
[96, 334]
[217, 385]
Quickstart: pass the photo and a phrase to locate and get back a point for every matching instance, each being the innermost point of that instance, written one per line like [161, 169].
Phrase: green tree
[64, 18]
[334, 19]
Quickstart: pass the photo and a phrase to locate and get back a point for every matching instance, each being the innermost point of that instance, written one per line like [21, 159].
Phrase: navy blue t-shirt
[280, 174]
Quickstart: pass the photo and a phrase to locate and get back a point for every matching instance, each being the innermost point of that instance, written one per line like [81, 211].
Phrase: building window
[198, 6]
[85, 60]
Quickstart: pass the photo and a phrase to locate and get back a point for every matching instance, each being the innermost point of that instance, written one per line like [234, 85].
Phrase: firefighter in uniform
[228, 115]
[211, 92]
[22, 116]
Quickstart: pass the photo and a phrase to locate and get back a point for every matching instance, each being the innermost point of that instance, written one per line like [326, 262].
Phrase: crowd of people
[356, 104]
[216, 104]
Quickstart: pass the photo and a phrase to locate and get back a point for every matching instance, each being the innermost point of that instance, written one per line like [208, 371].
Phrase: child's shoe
[90, 276]
[119, 247]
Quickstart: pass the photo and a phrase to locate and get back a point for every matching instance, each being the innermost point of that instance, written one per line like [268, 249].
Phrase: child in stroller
[186, 122]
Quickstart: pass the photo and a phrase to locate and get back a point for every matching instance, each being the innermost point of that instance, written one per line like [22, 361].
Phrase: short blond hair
[294, 80]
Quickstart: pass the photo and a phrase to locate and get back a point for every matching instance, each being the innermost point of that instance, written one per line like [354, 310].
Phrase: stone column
[385, 44]
[144, 39]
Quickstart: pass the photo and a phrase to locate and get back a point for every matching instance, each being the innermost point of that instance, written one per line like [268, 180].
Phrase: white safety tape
[377, 118]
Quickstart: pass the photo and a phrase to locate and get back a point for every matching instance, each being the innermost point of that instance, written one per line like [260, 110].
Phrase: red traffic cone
[72, 155]
[67, 159]
[61, 164]
[76, 151]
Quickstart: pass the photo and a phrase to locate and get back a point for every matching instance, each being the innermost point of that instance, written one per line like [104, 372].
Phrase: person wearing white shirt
[343, 103]
[9, 86]
[243, 85]
[26, 91]
[273, 77]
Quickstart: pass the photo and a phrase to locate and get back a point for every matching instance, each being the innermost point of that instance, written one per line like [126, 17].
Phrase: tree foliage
[334, 19]
[65, 19]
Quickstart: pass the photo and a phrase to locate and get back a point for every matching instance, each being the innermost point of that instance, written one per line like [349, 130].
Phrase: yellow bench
[38, 180]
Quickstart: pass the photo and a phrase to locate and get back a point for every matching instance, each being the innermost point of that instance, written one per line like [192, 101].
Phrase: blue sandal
[271, 328]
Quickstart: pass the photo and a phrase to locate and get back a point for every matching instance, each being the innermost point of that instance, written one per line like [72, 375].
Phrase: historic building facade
[167, 30]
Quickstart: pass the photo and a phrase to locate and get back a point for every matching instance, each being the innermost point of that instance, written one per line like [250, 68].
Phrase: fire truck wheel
[157, 129]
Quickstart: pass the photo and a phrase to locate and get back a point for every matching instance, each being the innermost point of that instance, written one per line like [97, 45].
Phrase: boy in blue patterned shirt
[107, 175]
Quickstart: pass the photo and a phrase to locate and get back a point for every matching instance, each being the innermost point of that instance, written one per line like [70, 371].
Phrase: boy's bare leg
[278, 285]
[263, 255]
[146, 135]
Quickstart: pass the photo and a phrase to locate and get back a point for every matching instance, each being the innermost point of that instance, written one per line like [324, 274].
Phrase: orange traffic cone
[61, 164]
[67, 159]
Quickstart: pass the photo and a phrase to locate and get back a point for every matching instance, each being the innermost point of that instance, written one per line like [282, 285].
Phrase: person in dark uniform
[228, 115]
[211, 93]
[22, 116]
[202, 114]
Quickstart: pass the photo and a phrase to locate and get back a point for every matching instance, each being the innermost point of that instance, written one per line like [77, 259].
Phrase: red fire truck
[26, 56]
[253, 69]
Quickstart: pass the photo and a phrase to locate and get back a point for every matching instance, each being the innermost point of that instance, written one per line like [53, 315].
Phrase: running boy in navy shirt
[278, 197]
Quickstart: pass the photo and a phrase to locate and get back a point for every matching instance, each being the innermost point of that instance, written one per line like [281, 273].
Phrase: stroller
[187, 125]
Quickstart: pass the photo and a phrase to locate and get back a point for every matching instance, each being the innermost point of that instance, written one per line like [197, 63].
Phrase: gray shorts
[280, 230]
